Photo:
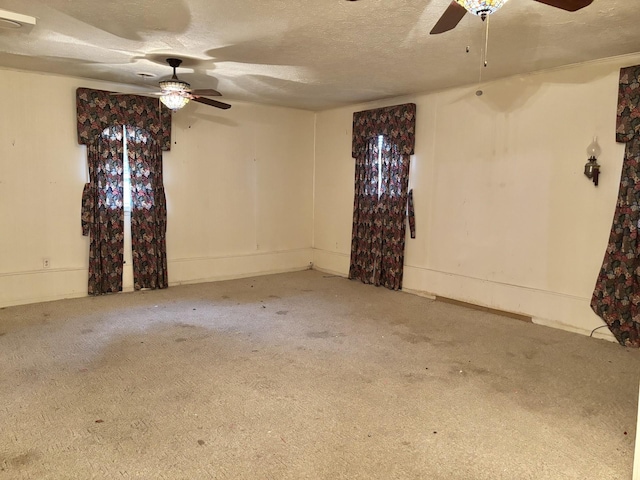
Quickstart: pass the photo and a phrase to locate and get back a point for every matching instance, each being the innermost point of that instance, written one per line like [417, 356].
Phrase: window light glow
[380, 147]
[126, 172]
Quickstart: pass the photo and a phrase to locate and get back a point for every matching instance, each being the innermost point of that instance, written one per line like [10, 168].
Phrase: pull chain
[484, 55]
[486, 42]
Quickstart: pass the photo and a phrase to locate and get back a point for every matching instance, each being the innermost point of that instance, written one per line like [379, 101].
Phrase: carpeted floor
[305, 376]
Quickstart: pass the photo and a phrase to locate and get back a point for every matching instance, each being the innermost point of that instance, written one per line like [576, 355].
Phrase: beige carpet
[305, 376]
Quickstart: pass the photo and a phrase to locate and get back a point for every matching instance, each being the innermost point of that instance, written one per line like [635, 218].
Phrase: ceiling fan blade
[143, 94]
[450, 18]
[206, 92]
[213, 103]
[568, 5]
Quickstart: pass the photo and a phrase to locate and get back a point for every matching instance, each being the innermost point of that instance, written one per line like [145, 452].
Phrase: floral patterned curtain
[381, 193]
[397, 124]
[101, 117]
[99, 109]
[148, 211]
[616, 297]
[102, 212]
[366, 237]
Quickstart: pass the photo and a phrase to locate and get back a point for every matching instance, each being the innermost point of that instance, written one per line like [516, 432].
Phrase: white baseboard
[558, 310]
[335, 263]
[210, 269]
[20, 288]
[553, 309]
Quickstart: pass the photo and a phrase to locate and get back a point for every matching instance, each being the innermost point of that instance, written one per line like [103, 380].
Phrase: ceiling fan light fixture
[174, 86]
[482, 8]
[174, 100]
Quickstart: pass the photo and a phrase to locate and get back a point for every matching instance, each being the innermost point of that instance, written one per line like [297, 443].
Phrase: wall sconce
[591, 168]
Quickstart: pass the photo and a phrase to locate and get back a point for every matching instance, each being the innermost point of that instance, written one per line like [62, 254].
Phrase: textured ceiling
[310, 54]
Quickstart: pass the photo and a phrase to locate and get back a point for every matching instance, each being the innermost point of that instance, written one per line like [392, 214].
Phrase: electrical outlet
[46, 263]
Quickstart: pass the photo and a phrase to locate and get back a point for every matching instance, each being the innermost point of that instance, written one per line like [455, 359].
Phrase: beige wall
[239, 187]
[504, 215]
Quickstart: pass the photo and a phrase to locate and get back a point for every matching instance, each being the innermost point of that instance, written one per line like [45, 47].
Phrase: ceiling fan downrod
[174, 63]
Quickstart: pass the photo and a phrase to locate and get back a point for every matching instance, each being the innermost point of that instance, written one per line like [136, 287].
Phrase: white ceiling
[310, 54]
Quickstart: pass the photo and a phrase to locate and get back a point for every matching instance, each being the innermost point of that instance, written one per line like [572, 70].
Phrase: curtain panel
[103, 213]
[366, 233]
[100, 119]
[616, 297]
[148, 211]
[381, 193]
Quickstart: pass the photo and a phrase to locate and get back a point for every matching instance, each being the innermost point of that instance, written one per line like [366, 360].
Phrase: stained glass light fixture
[482, 8]
[174, 94]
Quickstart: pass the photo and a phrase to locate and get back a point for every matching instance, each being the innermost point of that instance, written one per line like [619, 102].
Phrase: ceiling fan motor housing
[174, 84]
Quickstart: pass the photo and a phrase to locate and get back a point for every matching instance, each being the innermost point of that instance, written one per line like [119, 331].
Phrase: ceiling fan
[458, 8]
[175, 93]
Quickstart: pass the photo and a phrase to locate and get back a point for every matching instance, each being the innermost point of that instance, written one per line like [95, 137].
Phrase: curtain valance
[98, 109]
[628, 121]
[397, 123]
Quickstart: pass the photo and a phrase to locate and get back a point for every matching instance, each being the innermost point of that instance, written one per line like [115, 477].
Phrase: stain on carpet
[479, 371]
[23, 460]
[412, 378]
[464, 369]
[413, 338]
[282, 312]
[323, 334]
[186, 325]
